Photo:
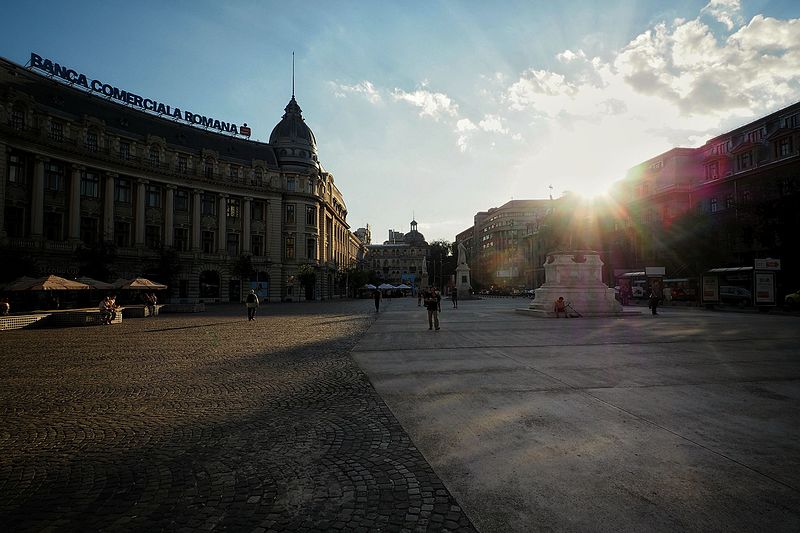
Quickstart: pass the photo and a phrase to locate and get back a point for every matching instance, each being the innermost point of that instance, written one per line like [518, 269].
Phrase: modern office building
[147, 189]
[496, 243]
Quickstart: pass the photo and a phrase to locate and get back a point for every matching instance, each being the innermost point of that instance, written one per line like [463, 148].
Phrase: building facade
[401, 259]
[497, 246]
[208, 213]
[726, 203]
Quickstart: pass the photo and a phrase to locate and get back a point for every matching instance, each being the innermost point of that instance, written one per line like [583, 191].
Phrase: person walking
[653, 300]
[377, 296]
[432, 302]
[251, 302]
[454, 296]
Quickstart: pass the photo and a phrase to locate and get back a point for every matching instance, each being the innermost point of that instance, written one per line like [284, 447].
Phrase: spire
[292, 74]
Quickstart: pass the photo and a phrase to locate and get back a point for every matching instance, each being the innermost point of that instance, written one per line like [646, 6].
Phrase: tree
[442, 262]
[243, 267]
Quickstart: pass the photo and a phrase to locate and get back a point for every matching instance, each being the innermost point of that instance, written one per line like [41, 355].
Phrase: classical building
[401, 259]
[210, 213]
[724, 204]
[498, 253]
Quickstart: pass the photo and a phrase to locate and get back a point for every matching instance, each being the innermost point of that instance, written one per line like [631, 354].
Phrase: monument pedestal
[463, 283]
[577, 276]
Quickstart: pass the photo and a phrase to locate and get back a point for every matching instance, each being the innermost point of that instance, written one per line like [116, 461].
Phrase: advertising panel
[710, 289]
[765, 288]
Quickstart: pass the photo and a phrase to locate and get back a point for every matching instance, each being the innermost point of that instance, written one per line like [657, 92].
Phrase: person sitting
[560, 306]
[106, 310]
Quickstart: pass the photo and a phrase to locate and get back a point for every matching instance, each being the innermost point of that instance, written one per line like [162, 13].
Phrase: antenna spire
[292, 73]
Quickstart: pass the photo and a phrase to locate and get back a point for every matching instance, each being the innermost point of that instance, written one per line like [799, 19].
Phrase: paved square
[208, 422]
[689, 421]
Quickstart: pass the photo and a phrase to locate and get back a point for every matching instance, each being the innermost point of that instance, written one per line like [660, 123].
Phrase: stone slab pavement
[688, 421]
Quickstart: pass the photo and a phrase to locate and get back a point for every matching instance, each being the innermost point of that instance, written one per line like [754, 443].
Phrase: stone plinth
[463, 283]
[578, 277]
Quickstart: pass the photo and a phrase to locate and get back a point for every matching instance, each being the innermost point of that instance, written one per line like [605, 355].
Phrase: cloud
[365, 88]
[492, 123]
[728, 12]
[431, 104]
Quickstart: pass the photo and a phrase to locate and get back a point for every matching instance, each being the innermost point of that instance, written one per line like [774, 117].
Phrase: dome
[414, 237]
[293, 141]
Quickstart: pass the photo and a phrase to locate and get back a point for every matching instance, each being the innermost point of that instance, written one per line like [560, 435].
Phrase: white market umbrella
[141, 283]
[370, 286]
[95, 284]
[386, 286]
[47, 283]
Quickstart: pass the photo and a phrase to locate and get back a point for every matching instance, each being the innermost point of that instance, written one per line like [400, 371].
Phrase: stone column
[222, 221]
[196, 219]
[246, 225]
[169, 215]
[37, 198]
[108, 208]
[3, 185]
[139, 234]
[74, 227]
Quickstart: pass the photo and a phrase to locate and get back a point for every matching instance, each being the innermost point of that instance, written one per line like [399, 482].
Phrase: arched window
[92, 140]
[209, 167]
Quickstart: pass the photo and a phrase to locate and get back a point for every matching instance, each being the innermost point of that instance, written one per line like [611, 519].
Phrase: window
[291, 184]
[122, 191]
[152, 197]
[746, 196]
[259, 176]
[257, 210]
[53, 177]
[53, 223]
[90, 185]
[311, 216]
[745, 160]
[89, 230]
[154, 156]
[14, 221]
[122, 234]
[124, 150]
[91, 141]
[152, 236]
[181, 200]
[257, 244]
[183, 163]
[209, 168]
[311, 248]
[232, 208]
[233, 172]
[755, 135]
[289, 218]
[17, 119]
[792, 121]
[712, 170]
[208, 205]
[56, 131]
[233, 244]
[207, 242]
[784, 147]
[714, 206]
[729, 201]
[181, 239]
[16, 169]
[289, 247]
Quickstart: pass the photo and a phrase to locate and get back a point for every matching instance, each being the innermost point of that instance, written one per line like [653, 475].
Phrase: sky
[435, 110]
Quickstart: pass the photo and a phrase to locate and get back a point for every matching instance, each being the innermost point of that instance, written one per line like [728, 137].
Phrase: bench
[9, 322]
[79, 317]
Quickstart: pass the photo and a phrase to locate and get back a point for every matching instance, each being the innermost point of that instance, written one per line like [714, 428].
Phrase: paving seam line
[654, 424]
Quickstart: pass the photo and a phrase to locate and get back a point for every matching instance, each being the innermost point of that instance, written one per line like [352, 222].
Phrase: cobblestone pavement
[208, 421]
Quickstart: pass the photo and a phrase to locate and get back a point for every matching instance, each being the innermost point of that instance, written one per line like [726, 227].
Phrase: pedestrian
[653, 300]
[377, 296]
[106, 309]
[454, 296]
[560, 306]
[251, 302]
[438, 297]
[419, 297]
[432, 303]
[5, 307]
